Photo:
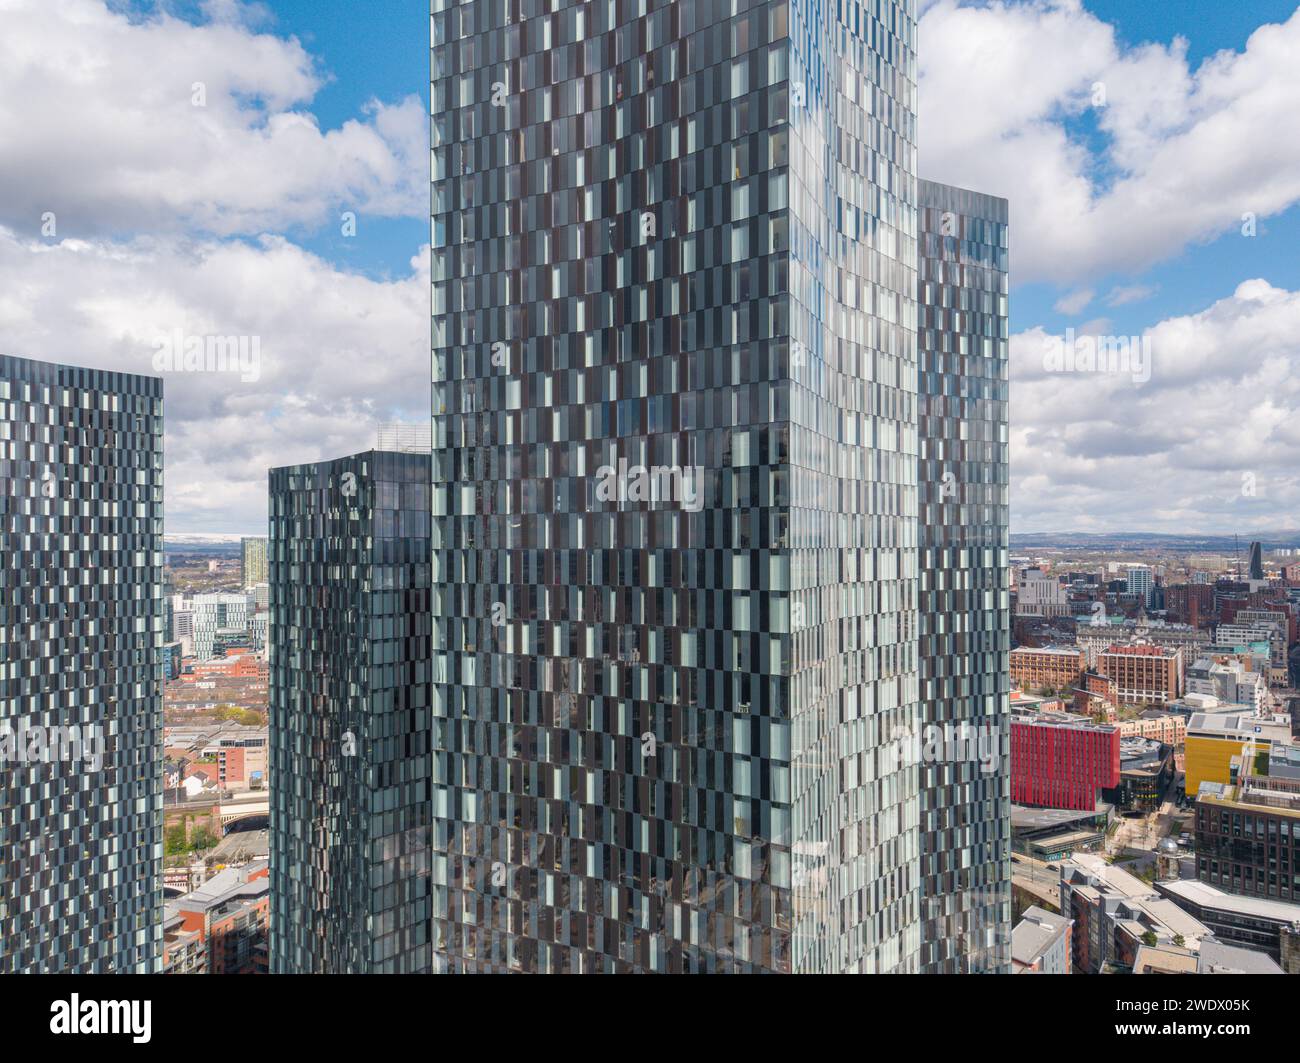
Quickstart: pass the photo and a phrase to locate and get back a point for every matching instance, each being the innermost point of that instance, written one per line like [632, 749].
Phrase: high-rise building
[252, 562]
[1139, 582]
[81, 623]
[214, 615]
[676, 554]
[965, 621]
[350, 716]
[1256, 569]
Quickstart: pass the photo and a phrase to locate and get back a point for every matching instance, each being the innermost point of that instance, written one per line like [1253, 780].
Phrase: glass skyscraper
[81, 629]
[350, 716]
[675, 532]
[965, 594]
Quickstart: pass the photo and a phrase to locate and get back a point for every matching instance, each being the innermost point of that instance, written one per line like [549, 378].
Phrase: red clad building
[1061, 761]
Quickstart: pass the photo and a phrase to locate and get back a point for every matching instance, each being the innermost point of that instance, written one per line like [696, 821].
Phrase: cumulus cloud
[339, 353]
[1113, 157]
[113, 125]
[1207, 443]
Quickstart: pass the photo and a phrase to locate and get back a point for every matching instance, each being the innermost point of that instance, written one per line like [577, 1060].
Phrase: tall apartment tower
[252, 561]
[81, 630]
[965, 636]
[675, 532]
[1256, 568]
[350, 767]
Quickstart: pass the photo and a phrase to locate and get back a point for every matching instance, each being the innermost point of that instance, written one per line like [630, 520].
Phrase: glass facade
[675, 487]
[965, 595]
[350, 716]
[81, 630]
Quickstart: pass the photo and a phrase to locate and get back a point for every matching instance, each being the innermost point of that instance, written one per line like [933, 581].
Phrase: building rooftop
[231, 884]
[1218, 958]
[1204, 895]
[1113, 877]
[1061, 719]
[1238, 725]
[1035, 934]
[1024, 817]
[1164, 959]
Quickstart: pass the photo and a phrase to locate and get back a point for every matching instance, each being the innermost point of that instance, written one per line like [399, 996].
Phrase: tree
[1149, 938]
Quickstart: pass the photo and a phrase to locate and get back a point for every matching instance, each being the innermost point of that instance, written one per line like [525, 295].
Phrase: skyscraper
[675, 535]
[252, 561]
[81, 629]
[965, 594]
[1256, 570]
[349, 716]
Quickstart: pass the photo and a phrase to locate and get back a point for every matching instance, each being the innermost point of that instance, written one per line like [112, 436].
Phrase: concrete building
[1116, 913]
[1266, 926]
[1040, 943]
[1041, 594]
[1227, 678]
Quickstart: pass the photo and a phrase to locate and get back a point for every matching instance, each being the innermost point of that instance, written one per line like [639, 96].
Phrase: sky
[192, 168]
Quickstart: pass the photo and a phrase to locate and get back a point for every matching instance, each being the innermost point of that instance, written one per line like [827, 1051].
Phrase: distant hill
[1191, 544]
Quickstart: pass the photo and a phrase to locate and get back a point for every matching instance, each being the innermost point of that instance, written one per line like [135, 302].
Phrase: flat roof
[1207, 896]
[1025, 817]
[1216, 957]
[1035, 933]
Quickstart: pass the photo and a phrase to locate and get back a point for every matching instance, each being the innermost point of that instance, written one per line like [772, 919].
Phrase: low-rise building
[1267, 926]
[1116, 913]
[1167, 727]
[1248, 831]
[229, 913]
[1214, 739]
[1040, 943]
[1146, 771]
[1046, 667]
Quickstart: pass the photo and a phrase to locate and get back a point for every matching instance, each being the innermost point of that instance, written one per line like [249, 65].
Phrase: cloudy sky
[260, 170]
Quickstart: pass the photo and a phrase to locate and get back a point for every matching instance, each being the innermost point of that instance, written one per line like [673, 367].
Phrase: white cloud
[1074, 302]
[1186, 153]
[340, 352]
[100, 128]
[1124, 294]
[1220, 411]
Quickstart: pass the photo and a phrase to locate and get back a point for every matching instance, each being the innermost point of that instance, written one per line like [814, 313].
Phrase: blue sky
[225, 218]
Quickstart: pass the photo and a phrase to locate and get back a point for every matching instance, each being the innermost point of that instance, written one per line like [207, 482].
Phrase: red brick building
[228, 914]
